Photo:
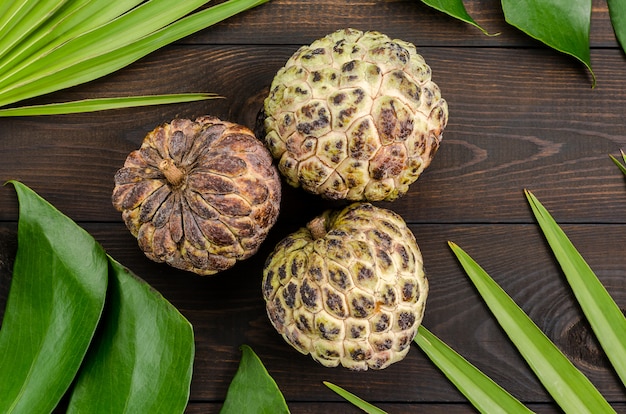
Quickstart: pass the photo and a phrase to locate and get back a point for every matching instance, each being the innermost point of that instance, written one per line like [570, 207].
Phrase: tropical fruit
[355, 115]
[349, 288]
[199, 195]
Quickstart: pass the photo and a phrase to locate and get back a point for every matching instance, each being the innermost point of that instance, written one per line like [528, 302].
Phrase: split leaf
[456, 9]
[103, 104]
[561, 24]
[568, 386]
[484, 394]
[140, 358]
[143, 353]
[354, 400]
[604, 316]
[253, 390]
[55, 301]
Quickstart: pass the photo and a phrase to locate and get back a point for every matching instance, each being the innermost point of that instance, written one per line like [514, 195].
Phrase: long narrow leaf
[102, 104]
[143, 353]
[354, 400]
[55, 301]
[34, 15]
[117, 59]
[484, 394]
[128, 28]
[622, 167]
[5, 7]
[71, 21]
[604, 316]
[12, 14]
[568, 386]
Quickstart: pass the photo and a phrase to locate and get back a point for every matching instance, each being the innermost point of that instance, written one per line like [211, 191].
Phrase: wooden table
[521, 116]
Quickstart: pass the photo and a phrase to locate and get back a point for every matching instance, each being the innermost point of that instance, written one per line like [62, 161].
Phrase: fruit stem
[317, 227]
[172, 173]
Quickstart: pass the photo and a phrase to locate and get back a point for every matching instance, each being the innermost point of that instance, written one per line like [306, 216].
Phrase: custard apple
[199, 195]
[349, 288]
[355, 115]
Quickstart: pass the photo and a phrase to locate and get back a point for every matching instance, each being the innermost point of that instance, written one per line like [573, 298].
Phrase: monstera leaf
[76, 316]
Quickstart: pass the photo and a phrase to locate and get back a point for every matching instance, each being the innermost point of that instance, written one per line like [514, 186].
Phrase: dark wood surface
[521, 117]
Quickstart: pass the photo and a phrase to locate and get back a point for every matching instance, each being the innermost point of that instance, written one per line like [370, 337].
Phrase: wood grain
[300, 22]
[532, 121]
[227, 310]
[521, 117]
[399, 408]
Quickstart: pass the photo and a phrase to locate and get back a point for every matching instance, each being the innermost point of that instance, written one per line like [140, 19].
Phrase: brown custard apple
[349, 288]
[199, 195]
[354, 116]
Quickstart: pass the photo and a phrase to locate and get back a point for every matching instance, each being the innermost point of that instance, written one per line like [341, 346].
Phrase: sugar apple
[199, 195]
[349, 288]
[354, 116]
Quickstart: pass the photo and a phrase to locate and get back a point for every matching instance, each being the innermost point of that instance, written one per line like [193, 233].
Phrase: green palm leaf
[622, 167]
[456, 9]
[113, 35]
[568, 386]
[31, 65]
[605, 317]
[103, 104]
[77, 17]
[484, 394]
[354, 400]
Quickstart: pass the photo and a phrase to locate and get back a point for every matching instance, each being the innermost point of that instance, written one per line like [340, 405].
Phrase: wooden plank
[398, 408]
[227, 310]
[522, 116]
[532, 121]
[301, 22]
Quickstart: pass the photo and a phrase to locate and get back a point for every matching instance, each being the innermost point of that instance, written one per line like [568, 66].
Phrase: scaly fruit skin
[354, 116]
[199, 195]
[349, 288]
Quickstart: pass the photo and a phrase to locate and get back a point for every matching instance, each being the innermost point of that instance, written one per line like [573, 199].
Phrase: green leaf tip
[456, 9]
[484, 394]
[620, 165]
[565, 383]
[353, 399]
[253, 390]
[563, 25]
[605, 317]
